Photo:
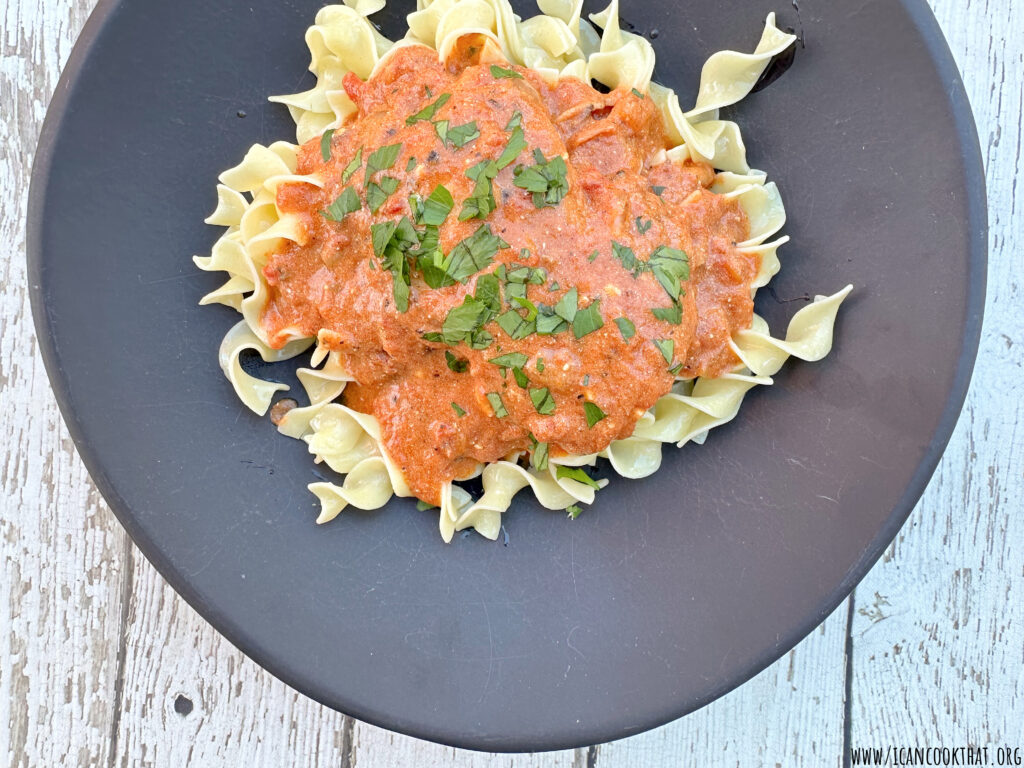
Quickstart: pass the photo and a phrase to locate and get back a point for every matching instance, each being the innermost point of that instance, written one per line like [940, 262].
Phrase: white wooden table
[101, 663]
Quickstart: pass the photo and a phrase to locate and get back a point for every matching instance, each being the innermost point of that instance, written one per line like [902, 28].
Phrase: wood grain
[938, 630]
[102, 664]
[61, 601]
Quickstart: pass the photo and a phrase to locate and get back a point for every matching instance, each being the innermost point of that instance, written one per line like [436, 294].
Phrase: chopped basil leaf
[637, 93]
[441, 129]
[546, 179]
[540, 364]
[515, 325]
[667, 348]
[586, 380]
[377, 194]
[642, 226]
[423, 506]
[432, 335]
[593, 255]
[625, 256]
[515, 291]
[669, 266]
[437, 207]
[587, 320]
[573, 510]
[488, 293]
[529, 306]
[577, 474]
[352, 167]
[539, 457]
[480, 203]
[428, 111]
[516, 144]
[457, 364]
[673, 314]
[593, 413]
[543, 403]
[381, 160]
[460, 135]
[520, 376]
[497, 405]
[515, 121]
[325, 144]
[657, 190]
[675, 368]
[626, 328]
[346, 203]
[428, 91]
[458, 410]
[462, 320]
[538, 275]
[500, 72]
[480, 339]
[550, 324]
[566, 307]
[510, 360]
[410, 165]
[474, 253]
[553, 287]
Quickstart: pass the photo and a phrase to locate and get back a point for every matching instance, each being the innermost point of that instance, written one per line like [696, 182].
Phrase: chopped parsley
[667, 348]
[510, 360]
[573, 511]
[497, 405]
[456, 135]
[457, 364]
[381, 160]
[458, 409]
[347, 202]
[539, 457]
[428, 111]
[500, 72]
[546, 179]
[593, 413]
[352, 167]
[587, 320]
[521, 379]
[515, 325]
[577, 474]
[377, 194]
[325, 144]
[673, 314]
[626, 328]
[480, 203]
[543, 403]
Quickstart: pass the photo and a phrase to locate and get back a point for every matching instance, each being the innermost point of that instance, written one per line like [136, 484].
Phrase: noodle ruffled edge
[556, 43]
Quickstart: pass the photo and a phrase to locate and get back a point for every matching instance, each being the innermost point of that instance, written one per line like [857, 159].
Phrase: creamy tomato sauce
[621, 190]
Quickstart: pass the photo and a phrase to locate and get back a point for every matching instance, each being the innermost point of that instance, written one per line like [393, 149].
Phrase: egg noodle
[556, 43]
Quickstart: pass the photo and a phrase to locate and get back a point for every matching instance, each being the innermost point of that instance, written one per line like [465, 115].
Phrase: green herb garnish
[587, 320]
[539, 457]
[637, 93]
[510, 360]
[657, 190]
[667, 348]
[377, 194]
[500, 72]
[428, 111]
[352, 167]
[515, 325]
[457, 364]
[626, 328]
[543, 403]
[521, 379]
[497, 405]
[458, 409]
[423, 506]
[567, 306]
[673, 314]
[480, 203]
[546, 179]
[325, 144]
[573, 511]
[381, 160]
[577, 474]
[347, 202]
[642, 226]
[593, 413]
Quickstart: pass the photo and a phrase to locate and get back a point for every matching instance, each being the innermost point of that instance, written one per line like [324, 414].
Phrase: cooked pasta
[293, 226]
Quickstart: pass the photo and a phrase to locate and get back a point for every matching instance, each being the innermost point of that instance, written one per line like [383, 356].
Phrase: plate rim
[977, 227]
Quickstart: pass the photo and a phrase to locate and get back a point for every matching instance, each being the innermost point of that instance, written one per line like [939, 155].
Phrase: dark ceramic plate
[671, 590]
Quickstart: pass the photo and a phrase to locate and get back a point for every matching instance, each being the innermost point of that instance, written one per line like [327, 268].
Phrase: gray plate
[667, 593]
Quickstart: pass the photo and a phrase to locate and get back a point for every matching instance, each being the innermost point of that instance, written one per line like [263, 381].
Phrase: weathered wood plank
[791, 714]
[62, 564]
[938, 632]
